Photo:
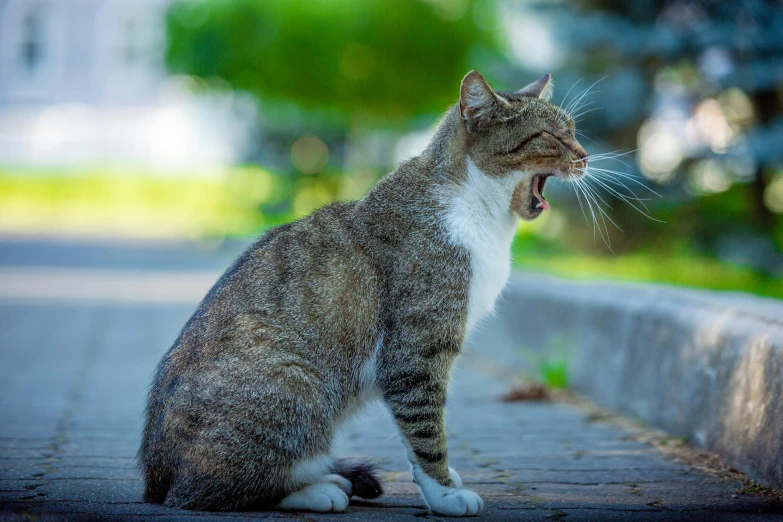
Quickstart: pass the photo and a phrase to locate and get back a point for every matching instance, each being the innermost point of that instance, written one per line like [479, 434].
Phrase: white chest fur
[479, 218]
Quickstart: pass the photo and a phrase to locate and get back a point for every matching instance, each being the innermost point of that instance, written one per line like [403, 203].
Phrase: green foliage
[685, 268]
[388, 59]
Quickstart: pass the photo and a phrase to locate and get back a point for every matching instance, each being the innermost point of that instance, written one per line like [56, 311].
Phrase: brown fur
[272, 360]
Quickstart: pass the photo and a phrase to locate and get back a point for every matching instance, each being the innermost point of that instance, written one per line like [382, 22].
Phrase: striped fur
[358, 300]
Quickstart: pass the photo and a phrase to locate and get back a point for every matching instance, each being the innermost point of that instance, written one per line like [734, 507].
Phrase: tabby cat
[357, 300]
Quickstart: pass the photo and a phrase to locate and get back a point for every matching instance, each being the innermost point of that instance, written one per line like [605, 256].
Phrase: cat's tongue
[537, 193]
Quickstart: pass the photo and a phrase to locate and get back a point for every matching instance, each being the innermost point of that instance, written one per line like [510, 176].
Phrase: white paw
[323, 497]
[455, 478]
[341, 482]
[457, 503]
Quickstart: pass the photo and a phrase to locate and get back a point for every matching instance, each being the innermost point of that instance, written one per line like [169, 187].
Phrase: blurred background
[212, 120]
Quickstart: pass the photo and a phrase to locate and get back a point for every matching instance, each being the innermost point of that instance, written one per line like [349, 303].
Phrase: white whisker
[574, 105]
[569, 92]
[603, 180]
[579, 199]
[578, 117]
[624, 175]
[585, 136]
[614, 156]
[645, 212]
[596, 194]
[590, 200]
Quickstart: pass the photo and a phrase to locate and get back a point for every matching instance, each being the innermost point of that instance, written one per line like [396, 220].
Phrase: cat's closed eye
[521, 144]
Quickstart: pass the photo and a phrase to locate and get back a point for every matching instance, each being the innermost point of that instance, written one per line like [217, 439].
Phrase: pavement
[81, 334]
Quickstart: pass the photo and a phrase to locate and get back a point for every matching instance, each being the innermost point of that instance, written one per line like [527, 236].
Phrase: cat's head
[522, 135]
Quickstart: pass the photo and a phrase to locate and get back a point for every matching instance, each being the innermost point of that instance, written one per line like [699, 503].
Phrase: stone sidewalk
[73, 377]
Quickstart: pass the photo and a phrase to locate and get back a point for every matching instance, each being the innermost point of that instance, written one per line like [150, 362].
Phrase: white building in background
[83, 81]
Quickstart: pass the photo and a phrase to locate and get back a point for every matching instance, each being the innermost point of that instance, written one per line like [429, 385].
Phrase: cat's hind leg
[316, 489]
[330, 492]
[321, 497]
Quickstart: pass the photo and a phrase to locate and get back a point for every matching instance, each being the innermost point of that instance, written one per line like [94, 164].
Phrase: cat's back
[303, 285]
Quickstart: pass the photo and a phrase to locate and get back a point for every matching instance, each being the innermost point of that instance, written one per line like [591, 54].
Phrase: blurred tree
[697, 85]
[381, 59]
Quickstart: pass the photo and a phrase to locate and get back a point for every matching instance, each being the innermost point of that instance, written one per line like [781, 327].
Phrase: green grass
[134, 202]
[682, 269]
[235, 201]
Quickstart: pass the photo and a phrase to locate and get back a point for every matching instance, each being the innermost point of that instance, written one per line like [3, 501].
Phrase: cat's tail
[362, 475]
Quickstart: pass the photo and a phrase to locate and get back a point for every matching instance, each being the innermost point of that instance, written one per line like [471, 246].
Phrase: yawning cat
[372, 298]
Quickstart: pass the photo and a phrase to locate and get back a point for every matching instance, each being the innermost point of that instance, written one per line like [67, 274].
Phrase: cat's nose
[581, 158]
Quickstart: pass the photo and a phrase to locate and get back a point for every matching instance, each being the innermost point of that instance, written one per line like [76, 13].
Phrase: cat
[357, 300]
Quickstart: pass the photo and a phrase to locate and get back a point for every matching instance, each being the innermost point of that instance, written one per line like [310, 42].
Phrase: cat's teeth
[542, 204]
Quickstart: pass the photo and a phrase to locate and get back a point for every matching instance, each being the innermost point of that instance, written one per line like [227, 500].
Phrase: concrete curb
[698, 364]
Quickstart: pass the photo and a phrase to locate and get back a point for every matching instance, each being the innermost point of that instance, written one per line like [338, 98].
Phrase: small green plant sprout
[550, 364]
[554, 373]
[553, 366]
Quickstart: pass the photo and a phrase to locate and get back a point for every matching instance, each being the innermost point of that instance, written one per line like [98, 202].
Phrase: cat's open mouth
[537, 201]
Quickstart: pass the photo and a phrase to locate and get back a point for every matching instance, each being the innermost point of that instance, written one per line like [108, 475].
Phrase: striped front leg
[416, 394]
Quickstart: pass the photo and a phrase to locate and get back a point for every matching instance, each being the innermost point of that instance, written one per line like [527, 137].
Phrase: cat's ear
[542, 88]
[477, 101]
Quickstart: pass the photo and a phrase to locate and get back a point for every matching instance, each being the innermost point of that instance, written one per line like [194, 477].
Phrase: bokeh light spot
[309, 154]
[773, 195]
[711, 126]
[737, 106]
[309, 198]
[709, 176]
[661, 152]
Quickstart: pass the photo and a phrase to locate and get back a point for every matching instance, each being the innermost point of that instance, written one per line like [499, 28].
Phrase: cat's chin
[527, 214]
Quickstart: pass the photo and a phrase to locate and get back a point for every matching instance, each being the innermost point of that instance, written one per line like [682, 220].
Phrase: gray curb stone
[699, 364]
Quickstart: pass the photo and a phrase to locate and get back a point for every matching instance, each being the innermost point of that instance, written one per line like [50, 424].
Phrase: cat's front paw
[457, 503]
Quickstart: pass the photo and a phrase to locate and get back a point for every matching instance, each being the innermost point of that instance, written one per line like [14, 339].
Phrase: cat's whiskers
[620, 195]
[559, 119]
[579, 199]
[583, 135]
[578, 117]
[605, 180]
[582, 110]
[602, 214]
[569, 92]
[591, 199]
[604, 176]
[614, 155]
[575, 105]
[589, 181]
[609, 173]
[579, 184]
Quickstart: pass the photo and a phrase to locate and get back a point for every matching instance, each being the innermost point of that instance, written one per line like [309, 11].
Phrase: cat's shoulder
[329, 219]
